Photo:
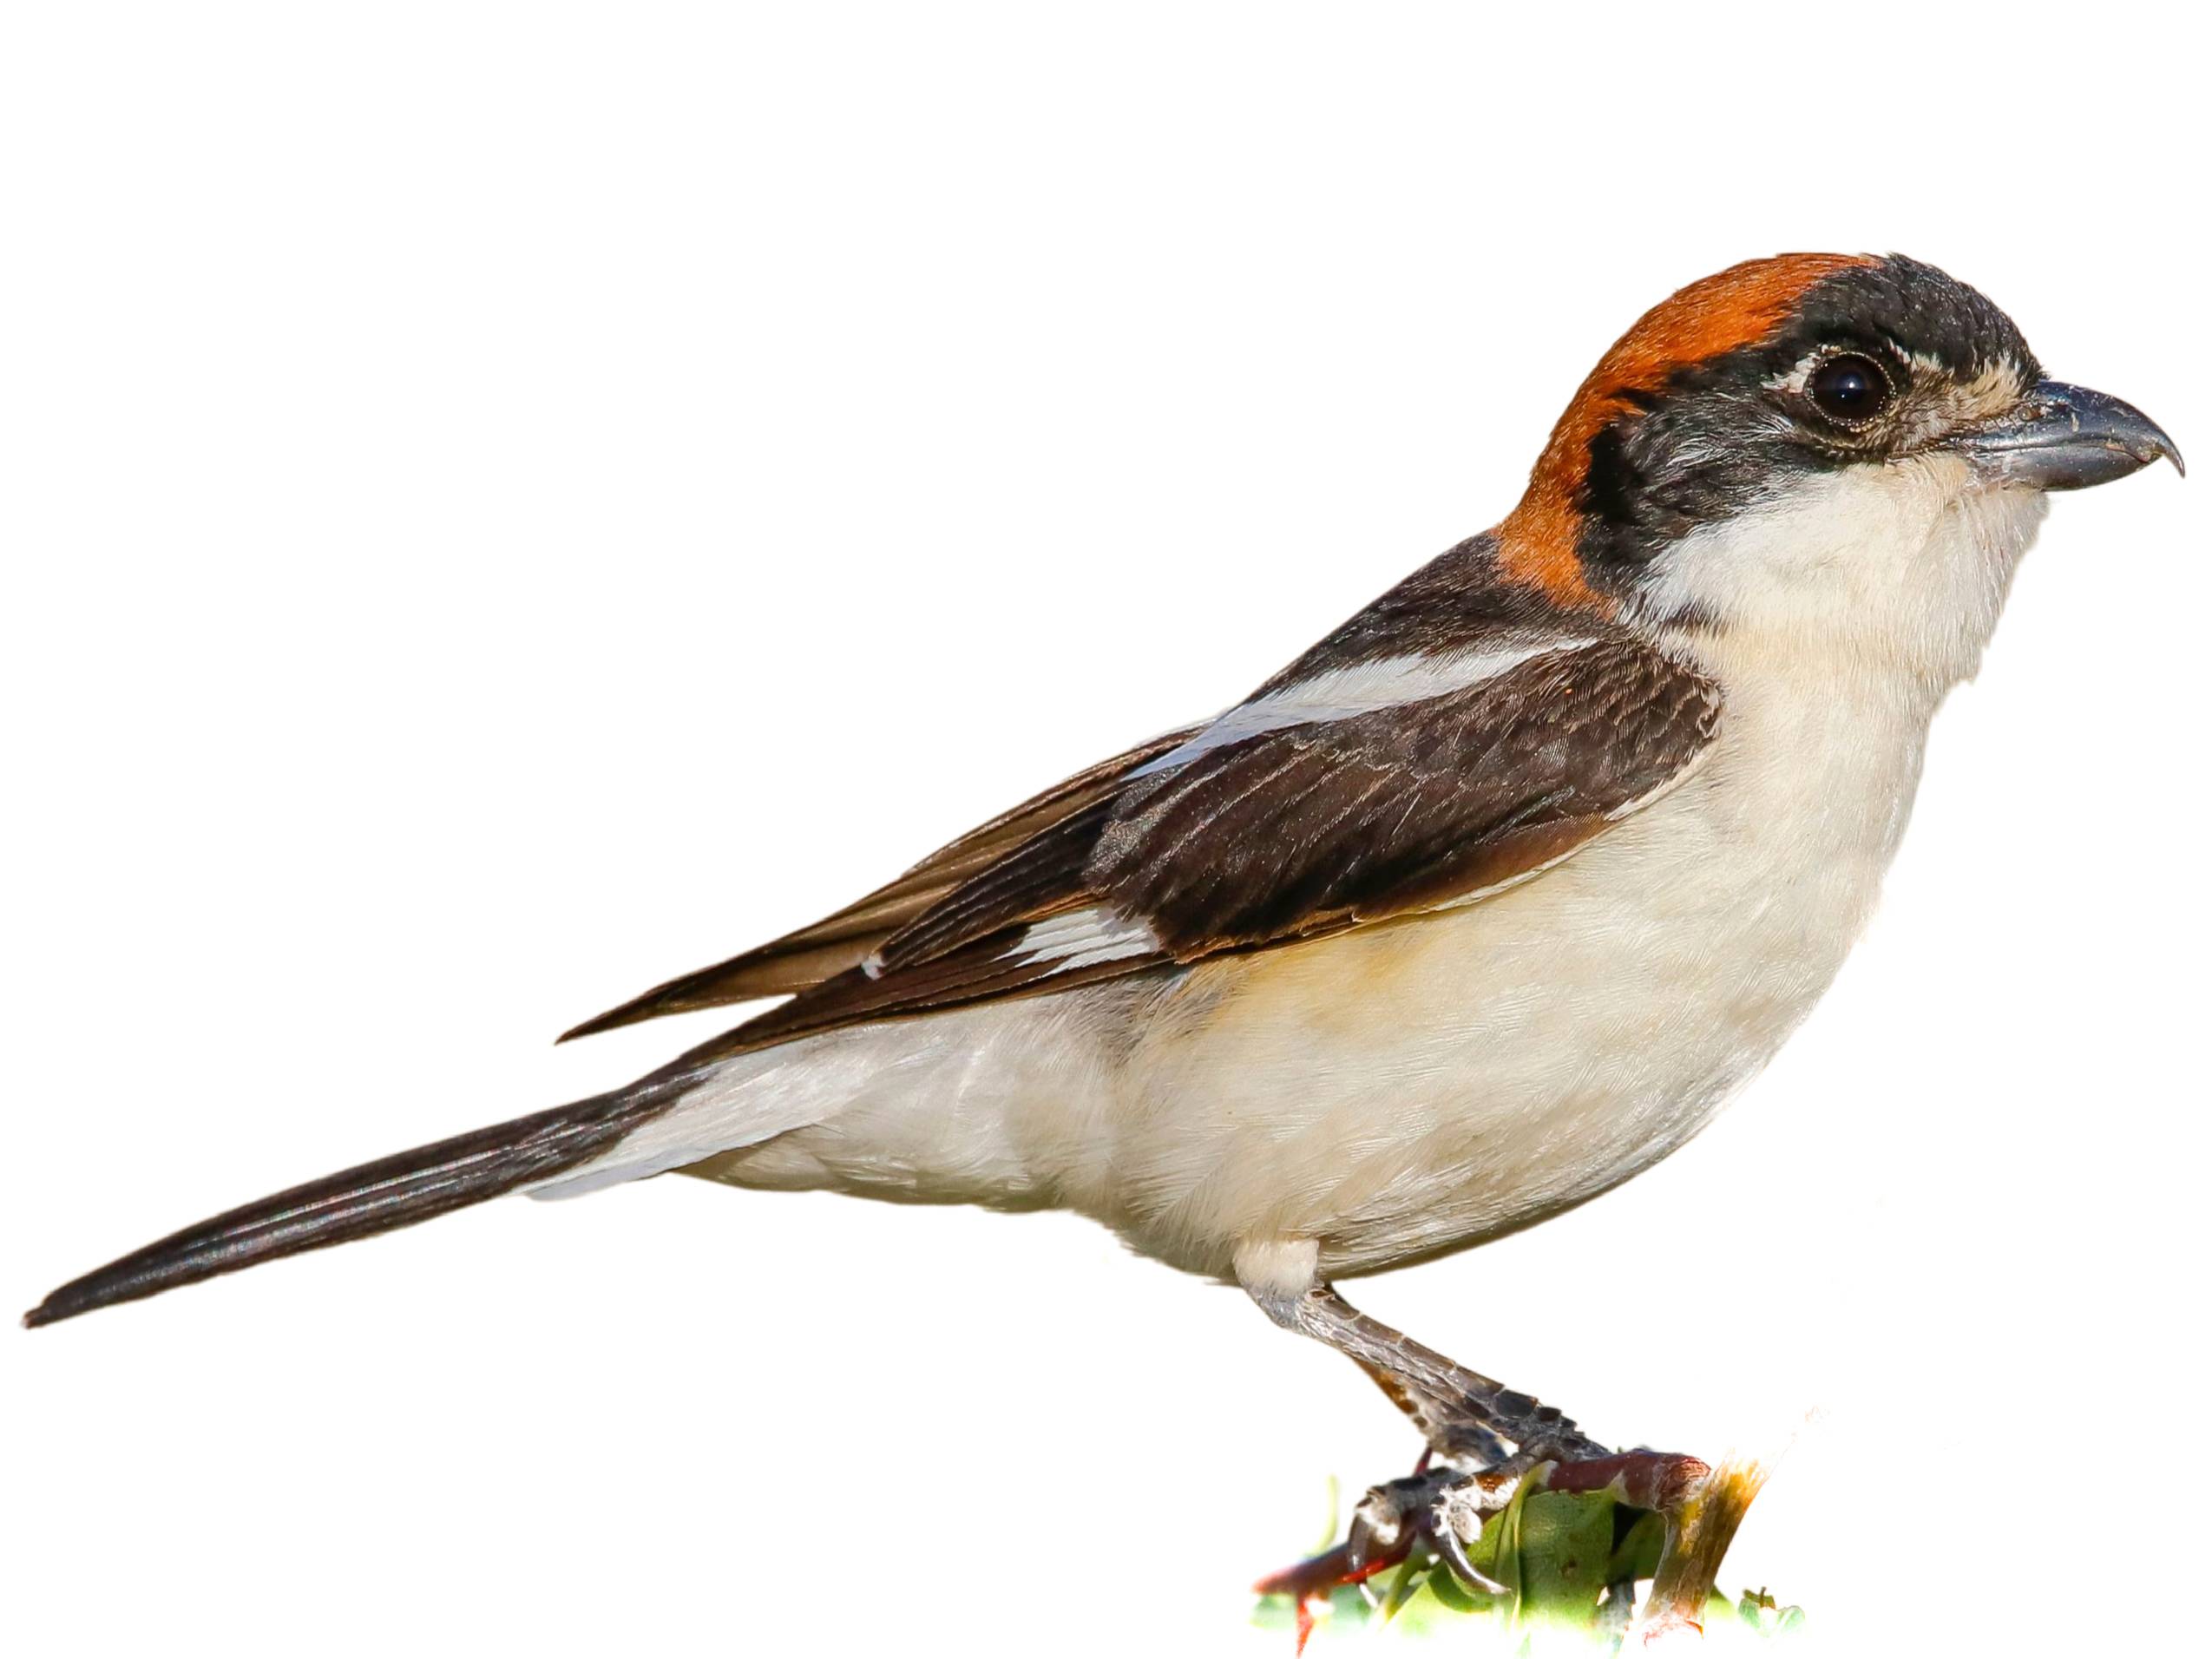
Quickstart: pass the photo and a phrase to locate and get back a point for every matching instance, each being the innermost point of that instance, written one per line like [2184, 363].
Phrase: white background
[502, 505]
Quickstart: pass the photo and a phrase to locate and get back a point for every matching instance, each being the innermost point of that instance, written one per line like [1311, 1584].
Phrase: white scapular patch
[1081, 938]
[1343, 692]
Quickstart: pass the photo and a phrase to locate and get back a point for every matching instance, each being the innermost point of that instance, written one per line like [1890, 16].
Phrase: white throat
[1887, 581]
[1839, 620]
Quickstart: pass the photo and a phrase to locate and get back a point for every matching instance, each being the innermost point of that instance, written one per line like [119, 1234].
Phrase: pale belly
[1414, 1088]
[1400, 1090]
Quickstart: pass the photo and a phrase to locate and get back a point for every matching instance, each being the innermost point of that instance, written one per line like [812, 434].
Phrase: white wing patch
[1343, 692]
[1081, 938]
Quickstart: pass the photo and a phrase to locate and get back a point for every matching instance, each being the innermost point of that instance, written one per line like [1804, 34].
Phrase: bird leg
[1465, 1417]
[1487, 1439]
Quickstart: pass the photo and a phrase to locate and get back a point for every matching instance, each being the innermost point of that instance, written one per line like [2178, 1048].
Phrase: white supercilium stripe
[1343, 692]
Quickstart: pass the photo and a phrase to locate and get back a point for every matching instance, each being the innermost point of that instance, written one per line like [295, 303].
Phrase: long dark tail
[395, 1191]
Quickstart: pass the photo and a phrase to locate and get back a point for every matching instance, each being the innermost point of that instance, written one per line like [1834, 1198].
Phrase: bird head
[1815, 447]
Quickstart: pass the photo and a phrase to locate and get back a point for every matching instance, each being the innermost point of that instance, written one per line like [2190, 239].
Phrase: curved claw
[1390, 1516]
[1454, 1553]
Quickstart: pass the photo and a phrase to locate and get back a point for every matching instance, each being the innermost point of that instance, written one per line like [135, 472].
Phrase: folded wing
[804, 958]
[1276, 824]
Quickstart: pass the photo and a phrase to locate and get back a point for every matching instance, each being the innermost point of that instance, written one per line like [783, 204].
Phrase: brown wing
[1288, 833]
[806, 957]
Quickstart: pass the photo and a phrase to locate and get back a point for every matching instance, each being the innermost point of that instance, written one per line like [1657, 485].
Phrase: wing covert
[1294, 831]
[807, 956]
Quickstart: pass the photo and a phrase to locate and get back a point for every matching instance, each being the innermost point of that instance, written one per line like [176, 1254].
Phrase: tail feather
[392, 1192]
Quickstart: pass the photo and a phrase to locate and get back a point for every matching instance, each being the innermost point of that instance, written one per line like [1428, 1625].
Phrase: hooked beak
[2066, 437]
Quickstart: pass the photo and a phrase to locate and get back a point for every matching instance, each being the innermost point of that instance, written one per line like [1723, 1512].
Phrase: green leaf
[1440, 1603]
[1637, 1555]
[1556, 1555]
[1445, 1585]
[1567, 1551]
[1497, 1553]
[1406, 1581]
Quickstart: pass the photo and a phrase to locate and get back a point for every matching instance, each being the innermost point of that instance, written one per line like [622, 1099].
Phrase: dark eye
[1849, 388]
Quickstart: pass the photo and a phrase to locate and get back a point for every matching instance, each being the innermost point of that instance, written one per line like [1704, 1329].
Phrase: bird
[1485, 904]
